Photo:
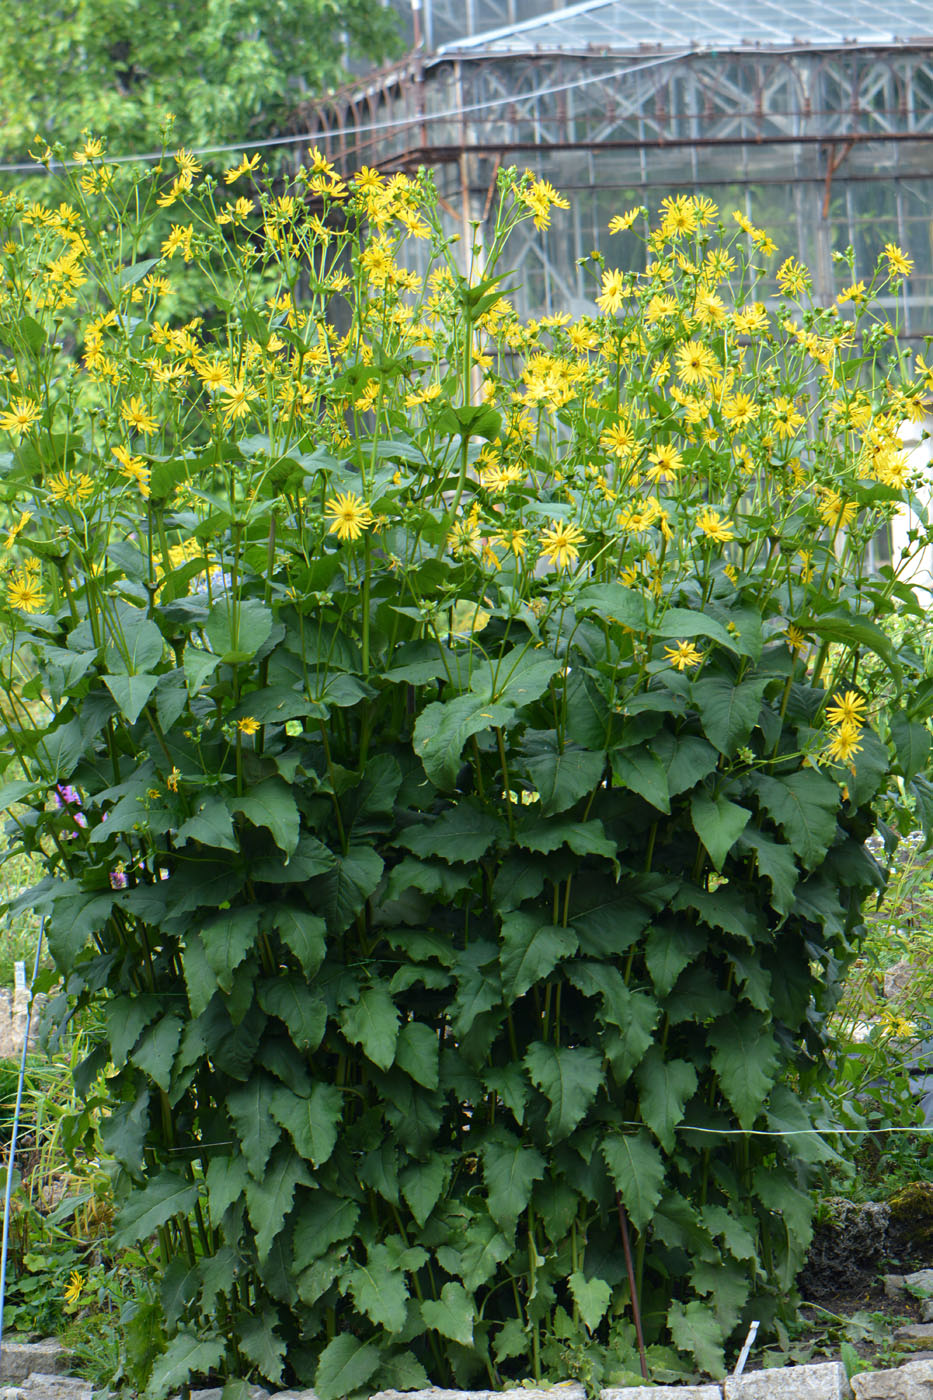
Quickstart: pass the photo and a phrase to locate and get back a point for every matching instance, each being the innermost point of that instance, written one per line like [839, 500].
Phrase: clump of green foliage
[461, 761]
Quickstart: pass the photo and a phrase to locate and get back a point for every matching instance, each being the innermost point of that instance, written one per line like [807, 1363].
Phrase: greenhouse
[814, 118]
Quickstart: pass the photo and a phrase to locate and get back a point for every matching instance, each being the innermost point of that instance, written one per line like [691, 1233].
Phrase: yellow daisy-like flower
[138, 415]
[847, 709]
[613, 291]
[740, 410]
[246, 165]
[171, 782]
[899, 264]
[844, 743]
[15, 530]
[248, 724]
[696, 363]
[24, 591]
[134, 469]
[665, 461]
[619, 439]
[75, 1287]
[559, 544]
[620, 222]
[795, 639]
[350, 516]
[237, 400]
[683, 655]
[715, 527]
[20, 416]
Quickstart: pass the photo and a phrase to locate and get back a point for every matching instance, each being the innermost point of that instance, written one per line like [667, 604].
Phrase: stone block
[913, 1381]
[567, 1390]
[916, 1332]
[662, 1392]
[894, 1286]
[18, 1360]
[823, 1381]
[40, 1386]
[921, 1281]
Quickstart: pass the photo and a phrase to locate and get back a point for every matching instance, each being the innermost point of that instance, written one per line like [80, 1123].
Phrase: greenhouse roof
[627, 26]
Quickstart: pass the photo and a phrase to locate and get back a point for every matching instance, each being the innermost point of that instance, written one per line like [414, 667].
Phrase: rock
[21, 1359]
[894, 1286]
[920, 1282]
[914, 1381]
[926, 1310]
[898, 979]
[846, 1249]
[567, 1390]
[916, 1332]
[826, 1381]
[39, 1386]
[662, 1392]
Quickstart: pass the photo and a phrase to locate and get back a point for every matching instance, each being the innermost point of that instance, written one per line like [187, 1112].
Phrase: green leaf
[563, 776]
[592, 1297]
[583, 838]
[719, 823]
[270, 804]
[227, 1180]
[345, 1366]
[570, 1080]
[664, 1087]
[637, 1171]
[615, 603]
[236, 629]
[485, 1250]
[250, 1107]
[854, 632]
[324, 1220]
[126, 1018]
[531, 950]
[373, 1024]
[293, 1001]
[341, 893]
[509, 1170]
[739, 1239]
[642, 771]
[312, 1123]
[776, 862]
[684, 623]
[422, 1184]
[417, 1052]
[464, 832]
[228, 938]
[131, 693]
[669, 947]
[443, 727]
[805, 806]
[304, 933]
[746, 1062]
[268, 1201]
[163, 1197]
[696, 1332]
[135, 272]
[451, 1314]
[134, 644]
[187, 1355]
[155, 1053]
[198, 665]
[625, 1046]
[261, 1344]
[728, 711]
[379, 1289]
[211, 824]
[479, 987]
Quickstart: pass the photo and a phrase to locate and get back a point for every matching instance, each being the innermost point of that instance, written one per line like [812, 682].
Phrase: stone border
[821, 1381]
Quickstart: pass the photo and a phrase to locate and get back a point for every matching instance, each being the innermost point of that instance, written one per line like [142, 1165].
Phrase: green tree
[229, 70]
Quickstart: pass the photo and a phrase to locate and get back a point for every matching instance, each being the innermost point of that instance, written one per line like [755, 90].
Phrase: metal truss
[833, 146]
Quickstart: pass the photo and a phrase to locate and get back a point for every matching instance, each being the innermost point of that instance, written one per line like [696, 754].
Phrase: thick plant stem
[633, 1288]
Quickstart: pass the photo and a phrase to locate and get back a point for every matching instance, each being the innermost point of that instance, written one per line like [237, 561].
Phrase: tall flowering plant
[470, 726]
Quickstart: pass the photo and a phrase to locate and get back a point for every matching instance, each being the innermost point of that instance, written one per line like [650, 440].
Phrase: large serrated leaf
[270, 804]
[259, 1342]
[464, 832]
[186, 1357]
[569, 1078]
[696, 1332]
[637, 1171]
[719, 823]
[345, 1366]
[163, 1197]
[805, 806]
[531, 949]
[509, 1170]
[728, 710]
[250, 1107]
[268, 1201]
[304, 933]
[746, 1062]
[379, 1289]
[227, 939]
[373, 1024]
[451, 1314]
[664, 1087]
[312, 1123]
[564, 775]
[294, 1003]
